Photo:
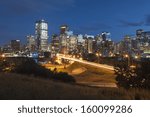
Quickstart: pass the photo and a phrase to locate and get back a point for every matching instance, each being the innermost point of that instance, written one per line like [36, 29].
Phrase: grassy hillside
[14, 86]
[92, 74]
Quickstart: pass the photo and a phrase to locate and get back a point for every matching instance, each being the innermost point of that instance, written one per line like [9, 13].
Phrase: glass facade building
[41, 34]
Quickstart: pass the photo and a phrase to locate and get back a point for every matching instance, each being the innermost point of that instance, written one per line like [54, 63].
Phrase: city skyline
[83, 17]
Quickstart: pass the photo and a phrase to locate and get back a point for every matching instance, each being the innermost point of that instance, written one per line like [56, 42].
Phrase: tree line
[28, 66]
[133, 76]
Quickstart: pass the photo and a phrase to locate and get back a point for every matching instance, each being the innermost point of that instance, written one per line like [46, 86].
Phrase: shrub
[138, 77]
[28, 66]
[61, 76]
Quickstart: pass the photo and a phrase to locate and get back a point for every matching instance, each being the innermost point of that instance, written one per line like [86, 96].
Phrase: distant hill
[14, 86]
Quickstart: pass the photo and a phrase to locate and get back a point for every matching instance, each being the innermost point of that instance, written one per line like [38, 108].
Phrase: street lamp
[128, 58]
[136, 57]
[98, 55]
[3, 55]
[126, 55]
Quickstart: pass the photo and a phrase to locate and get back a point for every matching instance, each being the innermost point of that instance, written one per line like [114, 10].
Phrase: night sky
[120, 17]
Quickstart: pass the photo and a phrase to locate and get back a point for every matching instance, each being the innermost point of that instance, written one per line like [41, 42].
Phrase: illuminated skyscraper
[139, 34]
[15, 45]
[31, 43]
[41, 35]
[55, 44]
[63, 29]
[106, 36]
[89, 43]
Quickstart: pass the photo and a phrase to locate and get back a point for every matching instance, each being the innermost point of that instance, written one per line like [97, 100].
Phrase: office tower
[73, 44]
[31, 43]
[64, 39]
[41, 35]
[64, 29]
[15, 45]
[55, 44]
[88, 44]
[80, 44]
[106, 36]
[127, 45]
[80, 38]
[146, 35]
[139, 33]
[68, 41]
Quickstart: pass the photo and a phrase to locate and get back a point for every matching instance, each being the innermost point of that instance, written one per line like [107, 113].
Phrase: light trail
[88, 63]
[92, 84]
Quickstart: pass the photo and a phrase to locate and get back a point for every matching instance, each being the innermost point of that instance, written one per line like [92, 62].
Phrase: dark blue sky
[120, 17]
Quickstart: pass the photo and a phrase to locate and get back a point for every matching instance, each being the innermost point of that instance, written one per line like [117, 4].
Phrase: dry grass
[92, 74]
[14, 86]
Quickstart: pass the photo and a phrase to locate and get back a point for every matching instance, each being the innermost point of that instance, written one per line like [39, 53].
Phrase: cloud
[147, 20]
[124, 23]
[92, 28]
[21, 7]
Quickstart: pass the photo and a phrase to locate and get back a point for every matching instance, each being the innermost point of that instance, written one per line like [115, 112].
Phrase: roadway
[98, 84]
[108, 67]
[93, 84]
